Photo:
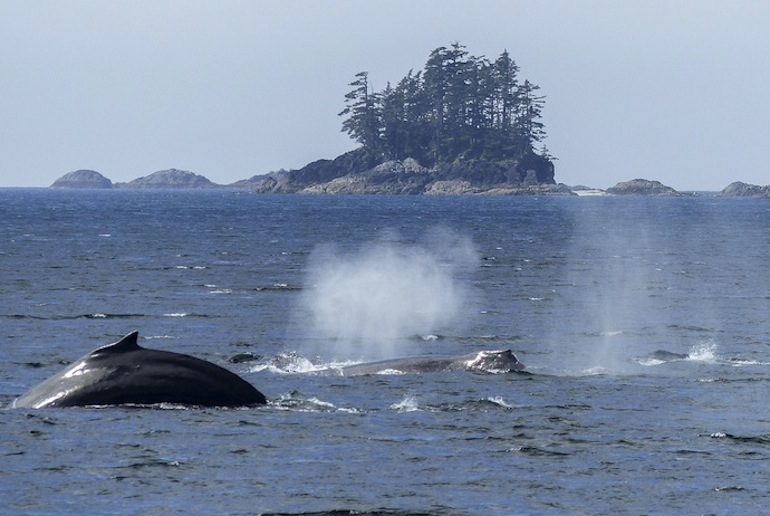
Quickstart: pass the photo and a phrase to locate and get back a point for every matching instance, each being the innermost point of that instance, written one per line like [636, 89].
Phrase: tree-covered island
[459, 107]
[463, 124]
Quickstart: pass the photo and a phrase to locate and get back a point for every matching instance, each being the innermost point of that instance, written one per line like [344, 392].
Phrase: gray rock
[738, 189]
[642, 187]
[171, 178]
[356, 172]
[82, 179]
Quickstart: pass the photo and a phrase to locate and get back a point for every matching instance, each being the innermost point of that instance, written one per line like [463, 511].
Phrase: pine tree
[364, 122]
[417, 132]
[458, 107]
[529, 128]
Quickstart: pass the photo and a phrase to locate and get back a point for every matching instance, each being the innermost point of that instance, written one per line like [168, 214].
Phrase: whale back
[495, 361]
[488, 361]
[124, 345]
[126, 373]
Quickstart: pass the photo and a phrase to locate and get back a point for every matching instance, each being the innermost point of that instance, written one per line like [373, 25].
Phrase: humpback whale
[490, 361]
[667, 356]
[124, 372]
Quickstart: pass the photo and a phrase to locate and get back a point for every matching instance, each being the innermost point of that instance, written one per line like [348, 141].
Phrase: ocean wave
[499, 401]
[278, 287]
[296, 402]
[752, 439]
[539, 452]
[408, 404]
[100, 315]
[706, 353]
[703, 353]
[291, 362]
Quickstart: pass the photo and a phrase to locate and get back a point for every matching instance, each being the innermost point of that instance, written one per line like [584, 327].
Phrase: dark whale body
[667, 356]
[490, 361]
[125, 372]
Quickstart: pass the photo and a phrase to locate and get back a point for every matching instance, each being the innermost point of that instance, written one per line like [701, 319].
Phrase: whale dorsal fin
[127, 343]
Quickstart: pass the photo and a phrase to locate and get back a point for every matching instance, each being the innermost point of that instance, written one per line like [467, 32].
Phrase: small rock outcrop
[171, 178]
[256, 181]
[738, 189]
[82, 179]
[316, 174]
[642, 187]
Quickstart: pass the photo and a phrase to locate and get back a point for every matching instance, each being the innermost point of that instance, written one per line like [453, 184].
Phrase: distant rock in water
[738, 189]
[82, 179]
[254, 182]
[171, 178]
[642, 187]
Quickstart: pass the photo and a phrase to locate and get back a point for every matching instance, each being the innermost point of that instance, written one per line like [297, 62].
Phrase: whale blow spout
[126, 373]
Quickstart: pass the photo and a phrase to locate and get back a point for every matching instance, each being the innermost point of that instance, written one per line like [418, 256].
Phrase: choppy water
[582, 290]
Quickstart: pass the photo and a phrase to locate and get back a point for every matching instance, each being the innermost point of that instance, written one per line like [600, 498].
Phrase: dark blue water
[581, 289]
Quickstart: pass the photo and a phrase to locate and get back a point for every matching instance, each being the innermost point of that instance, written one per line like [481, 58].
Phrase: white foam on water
[703, 353]
[499, 400]
[408, 404]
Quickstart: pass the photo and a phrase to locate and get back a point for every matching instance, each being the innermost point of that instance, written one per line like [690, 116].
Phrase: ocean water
[583, 290]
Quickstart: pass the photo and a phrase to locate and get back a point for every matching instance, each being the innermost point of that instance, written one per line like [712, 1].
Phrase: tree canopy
[459, 106]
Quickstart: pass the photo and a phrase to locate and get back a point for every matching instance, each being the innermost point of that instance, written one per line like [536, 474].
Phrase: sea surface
[583, 290]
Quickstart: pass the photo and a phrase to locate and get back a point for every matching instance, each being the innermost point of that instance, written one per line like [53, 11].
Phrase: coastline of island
[389, 178]
[433, 132]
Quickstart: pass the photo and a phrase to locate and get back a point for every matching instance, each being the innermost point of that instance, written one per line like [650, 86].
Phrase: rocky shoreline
[351, 173]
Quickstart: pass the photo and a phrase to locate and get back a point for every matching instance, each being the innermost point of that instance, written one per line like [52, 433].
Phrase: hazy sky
[677, 91]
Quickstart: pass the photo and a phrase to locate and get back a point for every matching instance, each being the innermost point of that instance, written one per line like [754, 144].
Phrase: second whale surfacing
[126, 373]
[498, 361]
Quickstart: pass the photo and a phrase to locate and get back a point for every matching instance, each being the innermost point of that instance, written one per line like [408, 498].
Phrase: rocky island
[339, 176]
[163, 179]
[462, 125]
[171, 178]
[357, 172]
[739, 189]
[642, 187]
[82, 179]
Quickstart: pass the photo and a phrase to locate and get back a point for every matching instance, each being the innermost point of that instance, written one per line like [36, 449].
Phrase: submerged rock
[82, 179]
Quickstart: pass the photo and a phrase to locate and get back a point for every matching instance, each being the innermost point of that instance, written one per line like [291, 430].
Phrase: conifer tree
[529, 128]
[364, 123]
[458, 107]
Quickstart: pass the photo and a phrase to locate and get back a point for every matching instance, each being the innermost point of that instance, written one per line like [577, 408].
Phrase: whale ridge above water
[493, 361]
[126, 373]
